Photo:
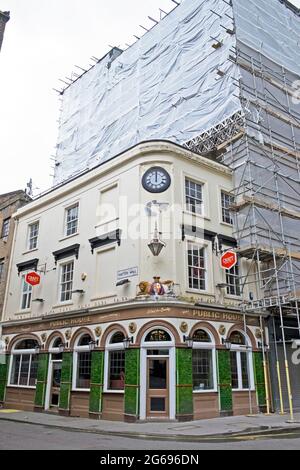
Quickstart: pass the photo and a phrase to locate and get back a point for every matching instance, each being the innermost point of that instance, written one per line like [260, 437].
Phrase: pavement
[217, 429]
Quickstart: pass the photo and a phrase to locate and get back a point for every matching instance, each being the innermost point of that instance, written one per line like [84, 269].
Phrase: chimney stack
[4, 18]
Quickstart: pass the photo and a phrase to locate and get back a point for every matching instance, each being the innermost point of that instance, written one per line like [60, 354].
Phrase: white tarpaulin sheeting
[271, 28]
[165, 86]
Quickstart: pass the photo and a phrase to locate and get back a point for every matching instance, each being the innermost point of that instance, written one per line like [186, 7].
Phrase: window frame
[60, 283]
[197, 345]
[28, 292]
[22, 352]
[30, 237]
[109, 348]
[187, 206]
[225, 193]
[2, 270]
[77, 350]
[66, 221]
[236, 277]
[246, 349]
[205, 269]
[5, 231]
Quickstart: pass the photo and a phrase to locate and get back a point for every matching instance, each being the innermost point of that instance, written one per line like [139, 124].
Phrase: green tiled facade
[97, 378]
[184, 385]
[41, 386]
[225, 387]
[132, 383]
[66, 382]
[3, 377]
[259, 378]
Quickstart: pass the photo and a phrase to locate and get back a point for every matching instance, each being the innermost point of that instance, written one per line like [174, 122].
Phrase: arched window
[204, 362]
[24, 363]
[115, 362]
[158, 336]
[241, 361]
[82, 363]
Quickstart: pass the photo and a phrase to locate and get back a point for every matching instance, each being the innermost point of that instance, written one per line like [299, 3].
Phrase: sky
[43, 42]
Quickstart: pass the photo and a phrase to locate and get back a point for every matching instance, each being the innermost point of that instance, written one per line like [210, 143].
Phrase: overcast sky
[43, 41]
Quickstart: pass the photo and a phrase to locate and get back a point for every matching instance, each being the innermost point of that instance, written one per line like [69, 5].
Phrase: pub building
[131, 317]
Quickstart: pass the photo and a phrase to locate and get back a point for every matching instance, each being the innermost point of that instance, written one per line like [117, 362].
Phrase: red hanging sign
[229, 260]
[33, 279]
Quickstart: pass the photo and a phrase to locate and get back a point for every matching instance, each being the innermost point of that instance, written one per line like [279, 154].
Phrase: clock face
[156, 180]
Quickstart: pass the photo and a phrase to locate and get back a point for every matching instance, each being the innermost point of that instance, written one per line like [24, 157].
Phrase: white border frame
[208, 347]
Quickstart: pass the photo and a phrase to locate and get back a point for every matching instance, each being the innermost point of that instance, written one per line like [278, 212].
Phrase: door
[55, 384]
[158, 388]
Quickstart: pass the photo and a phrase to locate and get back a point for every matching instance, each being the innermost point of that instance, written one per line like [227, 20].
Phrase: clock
[156, 180]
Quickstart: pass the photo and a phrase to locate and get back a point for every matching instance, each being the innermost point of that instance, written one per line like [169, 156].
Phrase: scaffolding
[262, 146]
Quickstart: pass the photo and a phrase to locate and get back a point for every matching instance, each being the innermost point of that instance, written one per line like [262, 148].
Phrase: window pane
[196, 267]
[66, 281]
[203, 369]
[234, 370]
[24, 369]
[5, 228]
[1, 270]
[117, 338]
[244, 365]
[84, 370]
[233, 281]
[15, 370]
[116, 370]
[194, 197]
[227, 202]
[26, 295]
[157, 336]
[158, 404]
[33, 236]
[72, 220]
[27, 344]
[33, 370]
[157, 374]
[201, 336]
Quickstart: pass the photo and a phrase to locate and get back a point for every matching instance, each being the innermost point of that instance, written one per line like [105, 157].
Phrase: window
[227, 201]
[233, 281]
[158, 336]
[26, 295]
[241, 359]
[66, 281]
[83, 363]
[24, 364]
[5, 228]
[194, 197]
[1, 269]
[203, 362]
[72, 220]
[33, 236]
[115, 363]
[196, 267]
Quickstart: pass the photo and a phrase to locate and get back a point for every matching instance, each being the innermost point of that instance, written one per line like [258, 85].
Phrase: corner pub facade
[133, 318]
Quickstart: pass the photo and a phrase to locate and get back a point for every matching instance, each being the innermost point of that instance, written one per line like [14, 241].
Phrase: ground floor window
[203, 377]
[239, 370]
[116, 370]
[24, 370]
[84, 361]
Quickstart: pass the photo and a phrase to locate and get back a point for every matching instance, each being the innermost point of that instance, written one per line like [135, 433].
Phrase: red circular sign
[229, 260]
[33, 279]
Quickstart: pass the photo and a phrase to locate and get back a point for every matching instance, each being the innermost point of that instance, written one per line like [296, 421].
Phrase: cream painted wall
[122, 177]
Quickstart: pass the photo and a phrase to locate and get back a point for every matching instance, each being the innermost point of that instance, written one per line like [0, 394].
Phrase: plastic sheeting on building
[171, 84]
[166, 86]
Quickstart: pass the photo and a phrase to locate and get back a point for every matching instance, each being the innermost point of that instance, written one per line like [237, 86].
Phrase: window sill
[63, 304]
[30, 251]
[198, 216]
[32, 387]
[23, 312]
[84, 390]
[201, 392]
[226, 224]
[67, 237]
[117, 392]
[244, 390]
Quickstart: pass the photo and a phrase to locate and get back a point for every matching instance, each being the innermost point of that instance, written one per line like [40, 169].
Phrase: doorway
[158, 387]
[55, 385]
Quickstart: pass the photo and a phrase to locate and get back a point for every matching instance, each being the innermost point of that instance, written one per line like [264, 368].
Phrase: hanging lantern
[156, 245]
